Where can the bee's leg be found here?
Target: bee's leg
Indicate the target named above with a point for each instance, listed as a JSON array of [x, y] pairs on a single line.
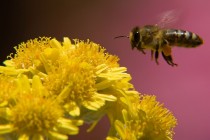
[[152, 53], [166, 53], [141, 50], [169, 59], [156, 54], [156, 57]]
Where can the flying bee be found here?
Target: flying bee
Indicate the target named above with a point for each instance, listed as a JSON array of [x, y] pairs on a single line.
[[161, 40]]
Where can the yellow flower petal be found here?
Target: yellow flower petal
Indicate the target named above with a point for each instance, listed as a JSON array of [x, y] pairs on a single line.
[[38, 137], [72, 108], [120, 129], [9, 63], [12, 71], [6, 129], [112, 138], [66, 43], [107, 97], [104, 84], [57, 136], [24, 137], [68, 129], [94, 104]]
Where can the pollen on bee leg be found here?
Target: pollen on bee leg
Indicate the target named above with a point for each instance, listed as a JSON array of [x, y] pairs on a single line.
[[167, 50], [169, 59]]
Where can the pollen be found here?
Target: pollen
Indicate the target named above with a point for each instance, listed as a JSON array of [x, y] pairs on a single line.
[[7, 86], [147, 119], [34, 115], [28, 54], [159, 120], [78, 77], [93, 54]]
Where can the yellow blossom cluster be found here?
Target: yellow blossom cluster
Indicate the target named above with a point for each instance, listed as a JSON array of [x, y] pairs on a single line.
[[50, 88]]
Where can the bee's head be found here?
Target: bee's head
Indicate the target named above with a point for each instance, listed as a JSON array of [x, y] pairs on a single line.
[[135, 38]]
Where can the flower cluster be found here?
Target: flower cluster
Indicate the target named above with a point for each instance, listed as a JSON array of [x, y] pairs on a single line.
[[50, 88]]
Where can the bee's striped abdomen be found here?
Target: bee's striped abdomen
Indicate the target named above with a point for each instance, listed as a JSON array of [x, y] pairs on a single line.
[[182, 38]]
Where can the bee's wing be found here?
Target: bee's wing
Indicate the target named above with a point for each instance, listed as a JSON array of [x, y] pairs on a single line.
[[168, 18]]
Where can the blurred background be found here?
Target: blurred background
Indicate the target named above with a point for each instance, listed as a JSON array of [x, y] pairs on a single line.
[[185, 89]]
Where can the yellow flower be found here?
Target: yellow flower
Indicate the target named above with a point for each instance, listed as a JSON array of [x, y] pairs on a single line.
[[80, 75], [49, 88], [159, 120], [151, 122], [34, 115]]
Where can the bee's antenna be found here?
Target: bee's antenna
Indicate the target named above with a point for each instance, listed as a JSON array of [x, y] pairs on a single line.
[[121, 36]]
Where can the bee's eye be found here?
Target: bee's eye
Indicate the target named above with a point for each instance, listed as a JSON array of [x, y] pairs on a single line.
[[136, 36]]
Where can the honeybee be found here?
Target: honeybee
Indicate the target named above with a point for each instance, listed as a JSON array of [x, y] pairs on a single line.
[[161, 40]]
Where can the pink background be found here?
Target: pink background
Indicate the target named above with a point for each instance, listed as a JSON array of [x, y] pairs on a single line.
[[185, 89]]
